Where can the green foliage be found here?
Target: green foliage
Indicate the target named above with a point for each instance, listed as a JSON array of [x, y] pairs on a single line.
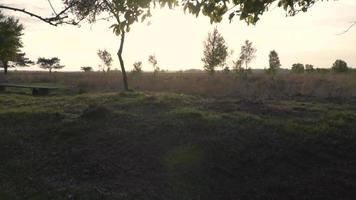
[[297, 68], [247, 54], [340, 66], [49, 63], [125, 12], [106, 58], [10, 40], [128, 12], [274, 63], [87, 69], [249, 11], [173, 146], [215, 51]]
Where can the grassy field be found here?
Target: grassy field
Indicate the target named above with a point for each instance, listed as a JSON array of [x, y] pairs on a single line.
[[257, 85], [156, 145]]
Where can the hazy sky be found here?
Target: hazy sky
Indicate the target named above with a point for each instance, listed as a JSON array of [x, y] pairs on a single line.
[[177, 39]]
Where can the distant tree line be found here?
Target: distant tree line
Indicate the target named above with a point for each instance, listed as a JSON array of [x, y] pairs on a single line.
[[216, 52]]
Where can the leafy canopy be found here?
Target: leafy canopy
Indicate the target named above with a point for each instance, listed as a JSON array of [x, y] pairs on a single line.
[[126, 12], [340, 66], [106, 58], [247, 54], [297, 68], [247, 10], [215, 51], [10, 38], [274, 62], [49, 63], [86, 69]]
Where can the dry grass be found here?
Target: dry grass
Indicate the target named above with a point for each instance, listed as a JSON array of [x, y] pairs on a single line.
[[258, 85]]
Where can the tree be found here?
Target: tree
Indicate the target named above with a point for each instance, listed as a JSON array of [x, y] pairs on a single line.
[[153, 60], [298, 68], [126, 12], [215, 51], [247, 10], [247, 54], [274, 62], [137, 67], [340, 66], [250, 11], [309, 68], [106, 58], [10, 41], [86, 69], [50, 63], [238, 66]]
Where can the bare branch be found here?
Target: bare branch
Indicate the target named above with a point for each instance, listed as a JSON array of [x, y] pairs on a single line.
[[347, 30], [54, 21], [50, 4]]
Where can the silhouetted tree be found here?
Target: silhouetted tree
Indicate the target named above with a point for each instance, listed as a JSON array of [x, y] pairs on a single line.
[[298, 68], [10, 41], [137, 67], [215, 51], [238, 66], [106, 58], [250, 11], [247, 54], [340, 66], [153, 60], [50, 63], [309, 68], [126, 12], [86, 69], [274, 63]]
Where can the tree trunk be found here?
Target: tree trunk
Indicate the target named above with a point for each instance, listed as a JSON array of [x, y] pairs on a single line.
[[50, 70], [5, 67], [119, 54]]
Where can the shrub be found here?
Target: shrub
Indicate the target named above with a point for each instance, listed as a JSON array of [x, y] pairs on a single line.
[[309, 68], [298, 68], [87, 69], [340, 66]]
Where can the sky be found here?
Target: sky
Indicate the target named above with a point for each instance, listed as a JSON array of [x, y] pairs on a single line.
[[176, 39]]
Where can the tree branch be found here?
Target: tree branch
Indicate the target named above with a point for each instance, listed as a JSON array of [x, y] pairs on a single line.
[[50, 4], [54, 21], [347, 30]]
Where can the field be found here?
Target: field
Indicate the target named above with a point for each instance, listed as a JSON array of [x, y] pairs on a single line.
[[179, 136]]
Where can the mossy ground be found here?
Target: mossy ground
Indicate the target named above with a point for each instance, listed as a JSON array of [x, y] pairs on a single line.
[[172, 146]]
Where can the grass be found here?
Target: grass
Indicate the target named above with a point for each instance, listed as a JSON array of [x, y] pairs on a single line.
[[154, 145], [258, 85]]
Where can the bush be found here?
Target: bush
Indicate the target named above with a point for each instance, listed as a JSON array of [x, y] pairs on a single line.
[[309, 68], [87, 69], [340, 66], [298, 68]]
